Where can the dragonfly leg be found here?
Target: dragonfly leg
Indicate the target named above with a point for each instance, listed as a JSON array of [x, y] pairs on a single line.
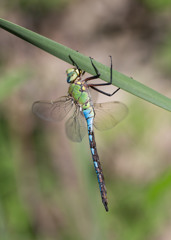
[[73, 62], [93, 86], [96, 70], [76, 65], [105, 93]]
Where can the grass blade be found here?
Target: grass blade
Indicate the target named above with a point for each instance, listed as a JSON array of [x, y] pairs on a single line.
[[120, 80]]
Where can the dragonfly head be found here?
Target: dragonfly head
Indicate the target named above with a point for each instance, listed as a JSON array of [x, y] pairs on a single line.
[[73, 74]]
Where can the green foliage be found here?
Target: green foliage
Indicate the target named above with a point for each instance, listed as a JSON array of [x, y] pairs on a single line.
[[14, 215], [9, 81], [38, 6], [163, 55], [62, 52], [158, 5]]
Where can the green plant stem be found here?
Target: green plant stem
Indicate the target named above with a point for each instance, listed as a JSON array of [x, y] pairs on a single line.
[[120, 80]]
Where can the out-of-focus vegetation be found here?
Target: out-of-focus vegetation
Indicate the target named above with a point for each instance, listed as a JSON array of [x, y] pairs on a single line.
[[11, 80], [158, 5], [36, 6], [163, 55], [48, 187]]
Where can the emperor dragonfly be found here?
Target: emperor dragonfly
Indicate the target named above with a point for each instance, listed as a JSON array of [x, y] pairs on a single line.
[[101, 115]]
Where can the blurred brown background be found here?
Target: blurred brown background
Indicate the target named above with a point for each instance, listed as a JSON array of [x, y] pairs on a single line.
[[48, 186]]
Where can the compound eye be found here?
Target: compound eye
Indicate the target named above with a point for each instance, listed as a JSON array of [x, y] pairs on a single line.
[[73, 76]]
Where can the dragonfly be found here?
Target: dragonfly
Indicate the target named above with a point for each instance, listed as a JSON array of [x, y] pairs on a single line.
[[85, 115]]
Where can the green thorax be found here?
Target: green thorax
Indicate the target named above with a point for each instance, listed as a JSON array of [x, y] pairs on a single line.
[[80, 92]]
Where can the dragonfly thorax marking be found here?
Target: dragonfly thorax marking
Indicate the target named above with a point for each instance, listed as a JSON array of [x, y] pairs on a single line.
[[79, 91]]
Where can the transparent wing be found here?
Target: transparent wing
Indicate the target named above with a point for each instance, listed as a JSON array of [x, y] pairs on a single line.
[[76, 126], [53, 111], [94, 95], [108, 114]]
